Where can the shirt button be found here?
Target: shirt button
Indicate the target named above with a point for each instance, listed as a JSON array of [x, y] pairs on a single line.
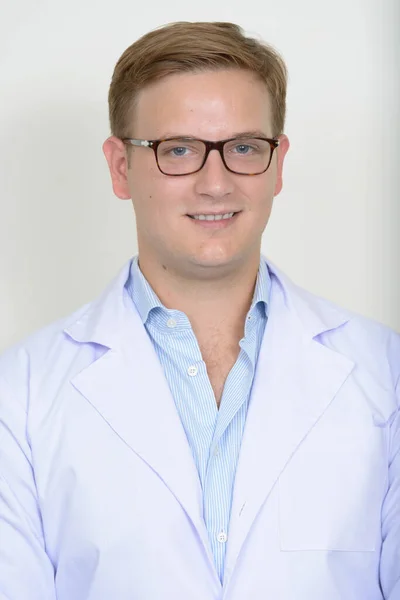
[[216, 451], [222, 537], [171, 323], [192, 371]]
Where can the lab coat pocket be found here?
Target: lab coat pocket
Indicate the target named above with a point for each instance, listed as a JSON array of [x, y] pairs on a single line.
[[330, 495]]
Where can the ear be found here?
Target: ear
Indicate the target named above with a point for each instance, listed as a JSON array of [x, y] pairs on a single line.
[[281, 150], [115, 152]]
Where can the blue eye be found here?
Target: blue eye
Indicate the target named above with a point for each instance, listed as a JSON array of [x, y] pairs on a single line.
[[243, 146], [178, 151]]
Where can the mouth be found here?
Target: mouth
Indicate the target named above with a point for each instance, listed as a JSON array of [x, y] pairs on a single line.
[[214, 217], [214, 221]]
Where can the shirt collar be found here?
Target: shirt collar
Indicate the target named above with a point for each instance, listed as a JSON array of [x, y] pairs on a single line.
[[141, 292], [262, 289], [145, 299]]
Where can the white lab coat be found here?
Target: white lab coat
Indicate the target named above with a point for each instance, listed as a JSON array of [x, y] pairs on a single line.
[[99, 494]]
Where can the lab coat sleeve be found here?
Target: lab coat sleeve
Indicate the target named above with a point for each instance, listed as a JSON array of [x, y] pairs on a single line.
[[26, 571], [390, 555]]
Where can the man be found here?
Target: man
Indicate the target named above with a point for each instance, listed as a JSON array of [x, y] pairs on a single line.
[[205, 429]]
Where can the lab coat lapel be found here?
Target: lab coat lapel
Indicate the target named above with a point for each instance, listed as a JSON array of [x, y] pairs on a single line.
[[128, 388], [295, 381]]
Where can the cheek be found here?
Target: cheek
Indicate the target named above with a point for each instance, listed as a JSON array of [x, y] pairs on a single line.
[[173, 197], [157, 207], [145, 189], [259, 195]]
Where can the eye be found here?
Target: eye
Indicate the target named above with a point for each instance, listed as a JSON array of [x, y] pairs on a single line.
[[243, 148], [178, 151]]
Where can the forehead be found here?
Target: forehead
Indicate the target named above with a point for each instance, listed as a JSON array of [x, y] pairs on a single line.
[[211, 104]]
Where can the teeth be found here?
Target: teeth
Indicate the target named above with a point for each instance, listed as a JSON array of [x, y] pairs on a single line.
[[213, 217]]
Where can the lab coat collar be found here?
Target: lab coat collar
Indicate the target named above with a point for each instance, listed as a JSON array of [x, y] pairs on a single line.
[[105, 316]]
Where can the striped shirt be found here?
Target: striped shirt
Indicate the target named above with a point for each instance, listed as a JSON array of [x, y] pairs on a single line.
[[214, 435]]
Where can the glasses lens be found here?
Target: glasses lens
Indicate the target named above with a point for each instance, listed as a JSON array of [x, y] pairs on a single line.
[[180, 156], [248, 155]]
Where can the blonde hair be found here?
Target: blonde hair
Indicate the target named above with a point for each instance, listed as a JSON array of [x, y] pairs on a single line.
[[186, 47]]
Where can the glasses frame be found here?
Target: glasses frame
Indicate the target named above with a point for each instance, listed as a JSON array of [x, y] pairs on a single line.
[[154, 144]]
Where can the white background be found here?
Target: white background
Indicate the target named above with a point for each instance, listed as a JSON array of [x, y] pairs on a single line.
[[334, 227]]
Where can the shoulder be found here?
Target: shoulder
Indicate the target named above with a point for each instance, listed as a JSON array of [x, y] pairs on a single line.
[[51, 350], [373, 346], [36, 352]]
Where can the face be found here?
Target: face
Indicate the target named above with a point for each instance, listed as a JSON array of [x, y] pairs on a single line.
[[209, 106]]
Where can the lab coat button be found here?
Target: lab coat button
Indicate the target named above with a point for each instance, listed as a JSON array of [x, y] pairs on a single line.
[[192, 371], [222, 537]]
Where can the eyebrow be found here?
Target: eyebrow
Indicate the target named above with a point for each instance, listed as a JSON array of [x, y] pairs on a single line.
[[239, 134]]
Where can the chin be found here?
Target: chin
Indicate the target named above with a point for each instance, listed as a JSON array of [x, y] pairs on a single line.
[[214, 259]]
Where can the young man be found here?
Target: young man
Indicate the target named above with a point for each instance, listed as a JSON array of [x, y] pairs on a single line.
[[205, 429]]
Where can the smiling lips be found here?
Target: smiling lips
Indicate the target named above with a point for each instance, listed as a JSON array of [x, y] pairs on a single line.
[[214, 221], [215, 217]]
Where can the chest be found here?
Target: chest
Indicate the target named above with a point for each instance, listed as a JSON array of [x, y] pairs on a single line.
[[219, 358]]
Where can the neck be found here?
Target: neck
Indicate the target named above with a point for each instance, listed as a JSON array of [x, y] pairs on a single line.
[[213, 299]]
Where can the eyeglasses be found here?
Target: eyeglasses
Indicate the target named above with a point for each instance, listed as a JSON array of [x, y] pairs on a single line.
[[185, 155]]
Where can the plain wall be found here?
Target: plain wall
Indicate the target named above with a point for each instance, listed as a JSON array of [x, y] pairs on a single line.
[[335, 226]]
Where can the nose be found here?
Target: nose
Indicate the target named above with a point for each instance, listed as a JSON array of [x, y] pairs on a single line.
[[214, 179]]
